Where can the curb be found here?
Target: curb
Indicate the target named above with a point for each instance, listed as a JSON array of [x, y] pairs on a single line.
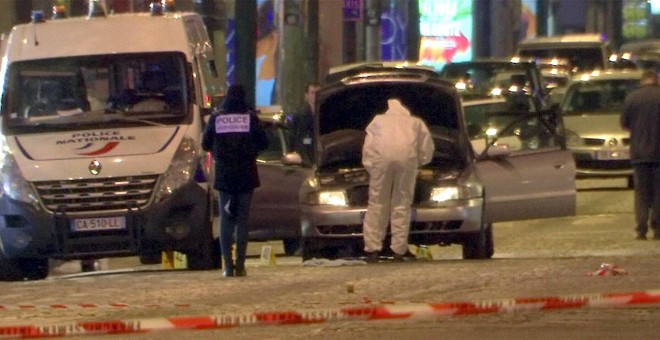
[[366, 312]]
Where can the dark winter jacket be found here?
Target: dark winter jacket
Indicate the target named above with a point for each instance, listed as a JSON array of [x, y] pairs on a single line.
[[641, 115], [235, 137]]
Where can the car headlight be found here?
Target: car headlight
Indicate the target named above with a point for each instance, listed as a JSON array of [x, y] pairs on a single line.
[[330, 197], [573, 139], [446, 193], [181, 170], [13, 183], [442, 194]]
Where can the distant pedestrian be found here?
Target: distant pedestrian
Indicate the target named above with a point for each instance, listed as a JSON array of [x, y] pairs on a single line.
[[641, 116], [302, 129], [234, 136], [396, 145]]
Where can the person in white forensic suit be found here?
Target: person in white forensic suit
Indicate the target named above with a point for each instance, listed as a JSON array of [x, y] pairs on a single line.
[[396, 145]]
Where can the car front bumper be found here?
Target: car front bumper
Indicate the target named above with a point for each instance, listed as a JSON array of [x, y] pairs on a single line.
[[445, 223], [602, 162]]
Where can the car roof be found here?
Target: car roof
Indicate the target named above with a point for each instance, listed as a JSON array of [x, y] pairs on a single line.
[[567, 39], [650, 46], [337, 73], [482, 101], [611, 74]]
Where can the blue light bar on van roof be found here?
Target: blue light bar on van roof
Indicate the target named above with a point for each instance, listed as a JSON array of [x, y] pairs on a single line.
[[38, 17], [156, 8]]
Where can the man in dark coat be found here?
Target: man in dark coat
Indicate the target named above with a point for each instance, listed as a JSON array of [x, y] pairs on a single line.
[[234, 136], [641, 116], [302, 128]]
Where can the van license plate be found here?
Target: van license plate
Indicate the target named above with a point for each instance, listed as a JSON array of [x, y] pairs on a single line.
[[99, 223]]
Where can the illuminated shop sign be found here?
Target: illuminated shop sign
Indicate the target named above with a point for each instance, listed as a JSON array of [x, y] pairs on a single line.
[[446, 30]]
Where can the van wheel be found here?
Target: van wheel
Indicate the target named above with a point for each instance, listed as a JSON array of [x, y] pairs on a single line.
[[207, 254], [478, 246], [23, 269], [151, 258]]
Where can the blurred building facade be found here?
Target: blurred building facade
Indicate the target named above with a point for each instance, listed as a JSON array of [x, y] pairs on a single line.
[[293, 42]]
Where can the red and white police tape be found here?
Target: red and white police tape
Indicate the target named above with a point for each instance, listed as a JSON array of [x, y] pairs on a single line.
[[114, 305], [365, 312]]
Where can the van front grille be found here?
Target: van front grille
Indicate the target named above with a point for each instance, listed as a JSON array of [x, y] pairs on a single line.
[[89, 195]]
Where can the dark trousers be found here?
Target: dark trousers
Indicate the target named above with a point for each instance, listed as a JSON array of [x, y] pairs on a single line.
[[234, 229], [647, 196]]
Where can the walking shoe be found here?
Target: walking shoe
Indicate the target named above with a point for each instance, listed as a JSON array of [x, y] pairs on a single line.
[[228, 273], [240, 271], [641, 236], [372, 257], [407, 257]]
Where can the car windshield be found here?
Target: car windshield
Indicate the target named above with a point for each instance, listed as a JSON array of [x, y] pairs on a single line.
[[101, 90], [598, 96]]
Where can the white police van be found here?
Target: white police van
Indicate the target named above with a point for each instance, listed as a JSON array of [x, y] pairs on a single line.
[[102, 118]]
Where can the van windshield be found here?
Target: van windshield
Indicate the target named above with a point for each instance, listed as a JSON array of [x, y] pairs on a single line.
[[90, 91]]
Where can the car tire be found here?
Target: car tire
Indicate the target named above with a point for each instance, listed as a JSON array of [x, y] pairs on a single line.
[[312, 248], [23, 269], [479, 246], [291, 246]]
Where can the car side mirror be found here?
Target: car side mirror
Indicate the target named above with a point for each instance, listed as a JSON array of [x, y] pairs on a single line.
[[291, 158], [498, 151]]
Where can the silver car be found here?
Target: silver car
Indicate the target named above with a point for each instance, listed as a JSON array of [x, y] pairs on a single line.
[[458, 196], [591, 110]]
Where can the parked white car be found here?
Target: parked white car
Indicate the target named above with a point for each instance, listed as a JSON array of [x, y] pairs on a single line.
[[591, 110]]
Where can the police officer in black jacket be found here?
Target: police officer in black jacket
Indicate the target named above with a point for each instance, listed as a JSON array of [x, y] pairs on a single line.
[[234, 136]]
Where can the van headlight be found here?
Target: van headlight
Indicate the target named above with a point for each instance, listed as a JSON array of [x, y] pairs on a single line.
[[13, 183], [181, 170], [328, 197]]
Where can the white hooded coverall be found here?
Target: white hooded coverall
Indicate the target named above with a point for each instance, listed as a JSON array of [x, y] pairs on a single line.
[[395, 146]]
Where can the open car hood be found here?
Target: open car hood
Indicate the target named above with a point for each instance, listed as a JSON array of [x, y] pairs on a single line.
[[347, 107]]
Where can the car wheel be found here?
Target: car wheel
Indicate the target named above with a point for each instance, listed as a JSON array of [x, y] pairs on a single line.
[[23, 269], [315, 249], [479, 245], [291, 246]]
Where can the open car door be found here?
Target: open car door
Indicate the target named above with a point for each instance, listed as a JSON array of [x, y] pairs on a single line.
[[526, 170]]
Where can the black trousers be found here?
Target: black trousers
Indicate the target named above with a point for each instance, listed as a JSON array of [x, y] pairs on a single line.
[[647, 196]]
